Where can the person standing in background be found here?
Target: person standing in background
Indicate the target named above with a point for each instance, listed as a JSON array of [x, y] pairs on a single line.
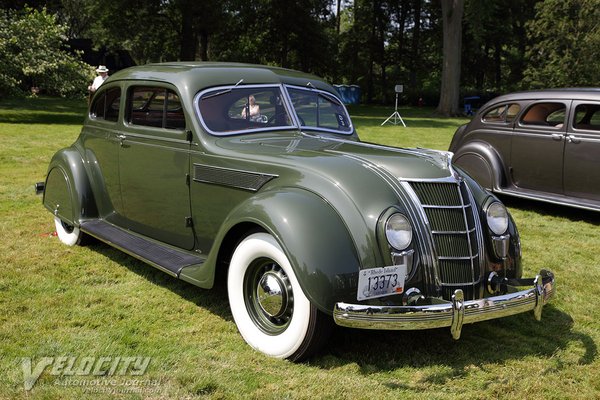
[[99, 80]]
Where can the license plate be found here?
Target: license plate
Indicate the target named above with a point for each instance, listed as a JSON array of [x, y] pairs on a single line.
[[379, 282]]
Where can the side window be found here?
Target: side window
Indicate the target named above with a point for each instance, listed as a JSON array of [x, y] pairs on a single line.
[[106, 105], [320, 110], [156, 107], [545, 114], [587, 116], [512, 111], [505, 113]]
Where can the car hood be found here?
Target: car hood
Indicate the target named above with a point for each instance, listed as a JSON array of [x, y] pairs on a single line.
[[333, 156]]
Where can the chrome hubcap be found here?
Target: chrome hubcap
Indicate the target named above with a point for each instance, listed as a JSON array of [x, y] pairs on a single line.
[[271, 294]]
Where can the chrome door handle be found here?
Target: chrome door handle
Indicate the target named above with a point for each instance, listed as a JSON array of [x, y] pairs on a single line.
[[121, 137], [557, 136], [573, 139]]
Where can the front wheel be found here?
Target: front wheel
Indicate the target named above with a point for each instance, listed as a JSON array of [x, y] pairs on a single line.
[[270, 309], [68, 234]]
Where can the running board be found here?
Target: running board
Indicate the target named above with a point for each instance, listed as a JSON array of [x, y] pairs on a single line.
[[562, 200], [163, 257]]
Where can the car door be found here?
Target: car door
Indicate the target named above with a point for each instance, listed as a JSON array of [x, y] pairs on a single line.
[[154, 164], [537, 147], [102, 150], [582, 151]]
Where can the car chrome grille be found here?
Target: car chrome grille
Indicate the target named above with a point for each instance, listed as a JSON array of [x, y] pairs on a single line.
[[454, 232]]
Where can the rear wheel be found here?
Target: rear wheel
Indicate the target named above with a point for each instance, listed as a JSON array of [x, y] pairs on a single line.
[[67, 233], [268, 305]]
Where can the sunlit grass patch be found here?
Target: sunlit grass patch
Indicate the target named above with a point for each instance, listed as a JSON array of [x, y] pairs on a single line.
[[95, 301]]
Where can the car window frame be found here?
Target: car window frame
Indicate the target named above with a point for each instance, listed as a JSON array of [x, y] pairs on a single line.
[[498, 105], [572, 115], [326, 94], [554, 128], [287, 103], [294, 122], [102, 92], [164, 132]]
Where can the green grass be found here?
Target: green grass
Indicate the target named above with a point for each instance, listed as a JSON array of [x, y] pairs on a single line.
[[96, 301]]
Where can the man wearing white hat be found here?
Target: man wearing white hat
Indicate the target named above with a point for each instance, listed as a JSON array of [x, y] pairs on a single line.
[[99, 80]]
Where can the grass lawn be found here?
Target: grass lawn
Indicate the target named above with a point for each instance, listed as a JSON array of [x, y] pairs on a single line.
[[96, 302]]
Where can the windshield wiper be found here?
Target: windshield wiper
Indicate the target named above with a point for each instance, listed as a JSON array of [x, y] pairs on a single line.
[[223, 91]]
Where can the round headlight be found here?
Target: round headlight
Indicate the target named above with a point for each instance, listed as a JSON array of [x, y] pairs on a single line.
[[398, 231], [497, 218]]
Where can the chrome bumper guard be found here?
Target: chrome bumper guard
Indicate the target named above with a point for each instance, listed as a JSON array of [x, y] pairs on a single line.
[[452, 314]]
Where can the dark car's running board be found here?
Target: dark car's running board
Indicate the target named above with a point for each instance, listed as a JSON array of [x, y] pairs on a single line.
[[163, 257]]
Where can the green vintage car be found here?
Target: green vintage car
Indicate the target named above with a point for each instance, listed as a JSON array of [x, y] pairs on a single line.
[[257, 175]]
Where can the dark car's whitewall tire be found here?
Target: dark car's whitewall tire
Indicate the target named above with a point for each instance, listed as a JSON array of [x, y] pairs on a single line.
[[271, 311], [68, 234]]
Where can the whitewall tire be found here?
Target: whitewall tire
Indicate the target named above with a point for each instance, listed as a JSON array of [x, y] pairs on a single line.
[[270, 309], [68, 234]]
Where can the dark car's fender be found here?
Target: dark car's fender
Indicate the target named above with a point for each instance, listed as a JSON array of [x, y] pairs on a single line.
[[312, 235], [67, 192], [482, 162]]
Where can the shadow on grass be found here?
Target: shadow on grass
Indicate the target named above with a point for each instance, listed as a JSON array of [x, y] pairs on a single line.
[[214, 300], [496, 341], [548, 209], [42, 110], [43, 118]]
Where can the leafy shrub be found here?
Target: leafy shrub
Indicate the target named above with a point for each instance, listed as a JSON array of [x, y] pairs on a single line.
[[33, 54]]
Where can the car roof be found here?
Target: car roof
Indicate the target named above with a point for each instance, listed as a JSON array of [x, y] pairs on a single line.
[[199, 75], [562, 93]]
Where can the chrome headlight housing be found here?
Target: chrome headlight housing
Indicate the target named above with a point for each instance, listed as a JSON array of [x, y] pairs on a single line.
[[398, 231], [497, 218]]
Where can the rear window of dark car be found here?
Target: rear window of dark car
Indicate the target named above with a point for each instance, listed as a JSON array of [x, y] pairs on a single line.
[[505, 113], [545, 114], [587, 116]]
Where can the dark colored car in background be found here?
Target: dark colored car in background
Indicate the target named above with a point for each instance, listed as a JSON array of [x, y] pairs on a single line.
[[257, 175], [541, 145]]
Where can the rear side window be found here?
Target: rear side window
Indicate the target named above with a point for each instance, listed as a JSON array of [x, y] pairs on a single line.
[[106, 105], [587, 116], [505, 113], [545, 114], [156, 107]]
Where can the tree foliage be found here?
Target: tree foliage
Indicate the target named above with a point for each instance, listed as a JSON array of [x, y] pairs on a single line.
[[32, 54], [566, 44], [377, 44]]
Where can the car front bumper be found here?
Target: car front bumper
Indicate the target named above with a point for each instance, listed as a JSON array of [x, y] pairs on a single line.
[[453, 314]]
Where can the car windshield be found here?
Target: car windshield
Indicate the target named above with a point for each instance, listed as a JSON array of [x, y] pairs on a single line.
[[244, 109]]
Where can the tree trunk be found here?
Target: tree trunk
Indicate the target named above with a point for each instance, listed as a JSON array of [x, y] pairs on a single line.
[[452, 12], [189, 38], [416, 43]]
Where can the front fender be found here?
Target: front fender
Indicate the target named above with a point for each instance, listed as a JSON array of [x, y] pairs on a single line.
[[67, 192], [314, 238]]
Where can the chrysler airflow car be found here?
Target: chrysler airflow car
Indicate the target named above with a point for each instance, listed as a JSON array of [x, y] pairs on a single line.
[[257, 175]]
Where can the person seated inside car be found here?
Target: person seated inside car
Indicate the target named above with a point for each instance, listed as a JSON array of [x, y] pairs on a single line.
[[251, 110]]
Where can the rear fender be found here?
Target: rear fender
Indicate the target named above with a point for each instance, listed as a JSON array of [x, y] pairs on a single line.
[[67, 192]]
